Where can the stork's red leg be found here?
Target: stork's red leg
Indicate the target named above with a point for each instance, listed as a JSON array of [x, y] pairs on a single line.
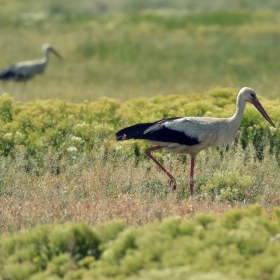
[[173, 181], [191, 175]]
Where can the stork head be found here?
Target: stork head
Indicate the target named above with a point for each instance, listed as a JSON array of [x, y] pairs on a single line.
[[249, 95], [48, 48]]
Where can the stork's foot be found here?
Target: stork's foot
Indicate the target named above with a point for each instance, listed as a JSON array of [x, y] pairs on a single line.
[[173, 184]]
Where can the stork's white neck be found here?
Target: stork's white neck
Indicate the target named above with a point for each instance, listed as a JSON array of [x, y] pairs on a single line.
[[240, 107], [46, 55]]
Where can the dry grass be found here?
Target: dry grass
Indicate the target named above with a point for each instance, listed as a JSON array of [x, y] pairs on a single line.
[[21, 214], [107, 185]]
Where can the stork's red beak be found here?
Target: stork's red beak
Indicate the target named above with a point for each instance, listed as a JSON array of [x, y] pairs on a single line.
[[260, 108], [57, 54]]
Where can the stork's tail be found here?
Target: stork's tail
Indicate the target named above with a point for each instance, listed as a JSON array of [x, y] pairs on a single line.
[[6, 74], [9, 74], [133, 132]]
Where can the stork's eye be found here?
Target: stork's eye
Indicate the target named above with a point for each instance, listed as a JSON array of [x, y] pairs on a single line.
[[253, 95]]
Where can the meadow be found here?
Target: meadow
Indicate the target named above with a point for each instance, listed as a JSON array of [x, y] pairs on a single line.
[[126, 53], [76, 204]]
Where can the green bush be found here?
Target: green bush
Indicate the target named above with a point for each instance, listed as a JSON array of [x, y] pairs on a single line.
[[244, 244], [74, 128], [229, 187], [52, 249], [78, 240]]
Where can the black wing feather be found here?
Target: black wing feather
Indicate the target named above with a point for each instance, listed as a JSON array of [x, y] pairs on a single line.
[[6, 74], [9, 74], [156, 132]]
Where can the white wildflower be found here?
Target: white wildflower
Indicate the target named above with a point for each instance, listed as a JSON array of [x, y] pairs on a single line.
[[76, 139], [8, 136], [119, 147], [19, 135], [72, 149], [83, 124]]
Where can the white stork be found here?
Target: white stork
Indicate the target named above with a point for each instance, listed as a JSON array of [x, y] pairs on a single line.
[[25, 70], [190, 135]]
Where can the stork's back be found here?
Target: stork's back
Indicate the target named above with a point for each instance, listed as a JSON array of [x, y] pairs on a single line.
[[30, 68]]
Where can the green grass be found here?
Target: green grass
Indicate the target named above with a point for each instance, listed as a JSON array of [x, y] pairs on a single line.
[[142, 53]]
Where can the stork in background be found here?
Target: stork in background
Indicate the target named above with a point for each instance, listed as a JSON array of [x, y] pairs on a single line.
[[25, 70], [190, 135]]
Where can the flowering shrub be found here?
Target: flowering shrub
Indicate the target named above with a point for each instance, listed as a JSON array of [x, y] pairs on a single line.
[[74, 127]]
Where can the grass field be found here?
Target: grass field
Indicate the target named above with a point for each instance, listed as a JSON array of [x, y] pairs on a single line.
[[76, 204], [143, 52]]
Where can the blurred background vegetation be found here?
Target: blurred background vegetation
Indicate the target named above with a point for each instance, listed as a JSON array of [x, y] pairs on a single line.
[[124, 49]]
